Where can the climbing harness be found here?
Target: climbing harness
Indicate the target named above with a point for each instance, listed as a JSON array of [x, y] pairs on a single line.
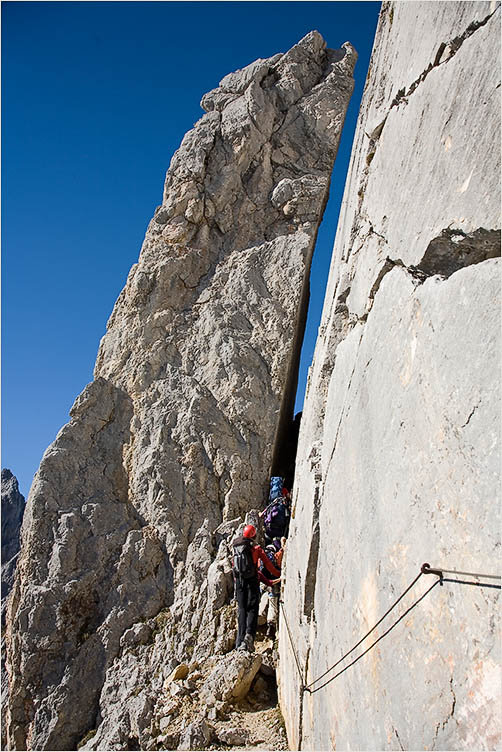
[[425, 569]]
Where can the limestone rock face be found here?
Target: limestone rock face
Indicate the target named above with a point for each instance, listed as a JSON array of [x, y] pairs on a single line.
[[399, 454], [12, 517], [194, 383]]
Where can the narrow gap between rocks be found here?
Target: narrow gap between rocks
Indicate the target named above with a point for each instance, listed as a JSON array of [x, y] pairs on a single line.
[[310, 309], [286, 439], [309, 315]]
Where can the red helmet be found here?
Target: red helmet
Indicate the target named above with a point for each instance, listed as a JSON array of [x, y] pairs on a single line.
[[249, 531]]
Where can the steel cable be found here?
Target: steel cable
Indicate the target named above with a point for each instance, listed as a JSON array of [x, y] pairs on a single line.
[[292, 646], [312, 691], [425, 569], [367, 633]]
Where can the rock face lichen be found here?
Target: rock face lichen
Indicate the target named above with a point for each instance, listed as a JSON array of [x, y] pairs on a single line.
[[175, 435], [398, 458]]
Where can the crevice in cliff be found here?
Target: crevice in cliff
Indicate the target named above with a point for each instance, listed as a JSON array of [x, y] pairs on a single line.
[[286, 425], [441, 725], [285, 457], [398, 739], [286, 438], [342, 414], [446, 254], [445, 52], [470, 416], [311, 571], [455, 249]]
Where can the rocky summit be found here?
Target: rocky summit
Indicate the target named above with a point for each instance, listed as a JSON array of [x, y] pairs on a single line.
[[122, 576]]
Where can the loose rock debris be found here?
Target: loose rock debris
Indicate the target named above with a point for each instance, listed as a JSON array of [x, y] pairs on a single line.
[[228, 703]]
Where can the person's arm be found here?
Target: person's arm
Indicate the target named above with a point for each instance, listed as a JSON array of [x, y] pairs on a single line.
[[267, 563], [264, 511], [266, 581]]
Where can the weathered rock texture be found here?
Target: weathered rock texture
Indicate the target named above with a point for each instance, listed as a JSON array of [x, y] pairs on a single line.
[[194, 384], [12, 517], [399, 446]]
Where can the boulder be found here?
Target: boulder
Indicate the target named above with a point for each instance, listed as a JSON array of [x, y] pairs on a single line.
[[226, 530], [165, 722], [232, 677], [179, 673], [176, 689], [167, 741], [196, 735], [233, 736], [139, 634]]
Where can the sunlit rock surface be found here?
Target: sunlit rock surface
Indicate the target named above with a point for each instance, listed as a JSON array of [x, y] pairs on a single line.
[[399, 459], [194, 382]]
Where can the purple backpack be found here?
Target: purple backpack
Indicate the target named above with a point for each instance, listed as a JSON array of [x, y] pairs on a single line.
[[274, 518]]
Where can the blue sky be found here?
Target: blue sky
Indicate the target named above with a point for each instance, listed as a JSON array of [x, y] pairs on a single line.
[[96, 97]]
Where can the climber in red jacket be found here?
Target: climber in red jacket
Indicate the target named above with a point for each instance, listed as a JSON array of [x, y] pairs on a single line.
[[247, 556]]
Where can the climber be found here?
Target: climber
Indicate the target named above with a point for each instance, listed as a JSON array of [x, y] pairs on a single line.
[[247, 556], [276, 517], [276, 487], [269, 603]]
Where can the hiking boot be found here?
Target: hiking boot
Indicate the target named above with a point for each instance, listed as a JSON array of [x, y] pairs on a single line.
[[248, 643]]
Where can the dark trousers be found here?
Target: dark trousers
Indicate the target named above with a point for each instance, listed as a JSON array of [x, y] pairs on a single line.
[[247, 594]]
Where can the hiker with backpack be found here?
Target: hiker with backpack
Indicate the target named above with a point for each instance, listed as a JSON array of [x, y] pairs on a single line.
[[247, 557], [276, 516], [269, 604]]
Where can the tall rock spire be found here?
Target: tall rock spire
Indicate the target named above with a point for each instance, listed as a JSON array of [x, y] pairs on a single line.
[[193, 385]]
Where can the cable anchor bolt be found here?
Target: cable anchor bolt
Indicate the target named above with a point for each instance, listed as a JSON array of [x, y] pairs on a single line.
[[426, 569]]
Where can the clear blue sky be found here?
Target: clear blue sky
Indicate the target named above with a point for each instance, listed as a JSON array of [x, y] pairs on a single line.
[[96, 97]]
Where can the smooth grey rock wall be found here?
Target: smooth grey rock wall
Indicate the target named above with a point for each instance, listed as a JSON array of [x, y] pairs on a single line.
[[194, 382], [399, 453]]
